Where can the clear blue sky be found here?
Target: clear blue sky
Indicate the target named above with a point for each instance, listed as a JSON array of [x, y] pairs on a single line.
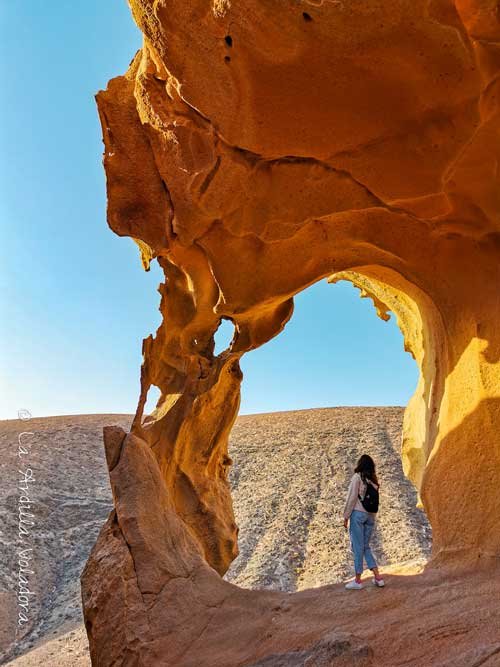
[[75, 301]]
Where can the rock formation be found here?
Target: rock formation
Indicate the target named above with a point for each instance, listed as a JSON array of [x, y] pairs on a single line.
[[256, 147]]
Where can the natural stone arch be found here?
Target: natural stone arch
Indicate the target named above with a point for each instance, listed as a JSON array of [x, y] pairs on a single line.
[[382, 170]]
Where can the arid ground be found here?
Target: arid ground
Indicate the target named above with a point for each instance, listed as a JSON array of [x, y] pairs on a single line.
[[289, 477]]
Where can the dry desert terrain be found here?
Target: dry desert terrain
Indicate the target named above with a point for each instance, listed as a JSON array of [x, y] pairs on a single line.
[[289, 478]]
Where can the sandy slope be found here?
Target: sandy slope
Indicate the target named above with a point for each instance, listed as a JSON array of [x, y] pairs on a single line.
[[289, 478]]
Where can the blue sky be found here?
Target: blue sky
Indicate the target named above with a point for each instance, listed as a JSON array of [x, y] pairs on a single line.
[[75, 301]]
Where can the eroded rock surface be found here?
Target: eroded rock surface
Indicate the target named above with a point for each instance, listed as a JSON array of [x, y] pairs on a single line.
[[254, 148]]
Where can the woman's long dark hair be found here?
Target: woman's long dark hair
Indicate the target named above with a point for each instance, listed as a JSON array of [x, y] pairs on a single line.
[[366, 468]]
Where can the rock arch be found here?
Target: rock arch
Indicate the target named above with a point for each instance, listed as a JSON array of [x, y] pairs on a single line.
[[359, 143]]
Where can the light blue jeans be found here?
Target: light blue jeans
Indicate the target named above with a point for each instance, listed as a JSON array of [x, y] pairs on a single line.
[[360, 530]]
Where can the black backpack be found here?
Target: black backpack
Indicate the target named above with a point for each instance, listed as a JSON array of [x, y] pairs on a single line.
[[371, 499]]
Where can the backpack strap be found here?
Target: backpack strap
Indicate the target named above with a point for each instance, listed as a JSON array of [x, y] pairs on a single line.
[[366, 484]]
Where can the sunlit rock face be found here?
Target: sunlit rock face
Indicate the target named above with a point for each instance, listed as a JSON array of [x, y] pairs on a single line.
[[256, 147]]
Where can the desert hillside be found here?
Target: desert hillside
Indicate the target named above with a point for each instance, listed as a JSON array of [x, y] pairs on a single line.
[[289, 478]]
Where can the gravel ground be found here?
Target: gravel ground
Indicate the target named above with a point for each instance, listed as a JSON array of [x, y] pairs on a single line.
[[290, 476]]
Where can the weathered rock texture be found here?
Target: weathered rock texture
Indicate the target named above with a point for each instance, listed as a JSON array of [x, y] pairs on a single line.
[[256, 147]]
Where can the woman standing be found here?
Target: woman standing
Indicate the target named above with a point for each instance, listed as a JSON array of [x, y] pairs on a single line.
[[359, 512]]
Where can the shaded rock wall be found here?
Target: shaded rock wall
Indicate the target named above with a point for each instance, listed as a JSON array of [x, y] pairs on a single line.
[[255, 148]]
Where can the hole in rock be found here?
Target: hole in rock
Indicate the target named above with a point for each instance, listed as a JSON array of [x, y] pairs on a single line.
[[229, 40], [307, 17], [329, 388], [227, 59], [152, 399], [223, 336]]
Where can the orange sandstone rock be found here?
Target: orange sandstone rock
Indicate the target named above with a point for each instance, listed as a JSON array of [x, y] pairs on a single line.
[[256, 147]]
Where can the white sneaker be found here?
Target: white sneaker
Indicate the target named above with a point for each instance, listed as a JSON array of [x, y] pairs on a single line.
[[378, 582], [353, 586]]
